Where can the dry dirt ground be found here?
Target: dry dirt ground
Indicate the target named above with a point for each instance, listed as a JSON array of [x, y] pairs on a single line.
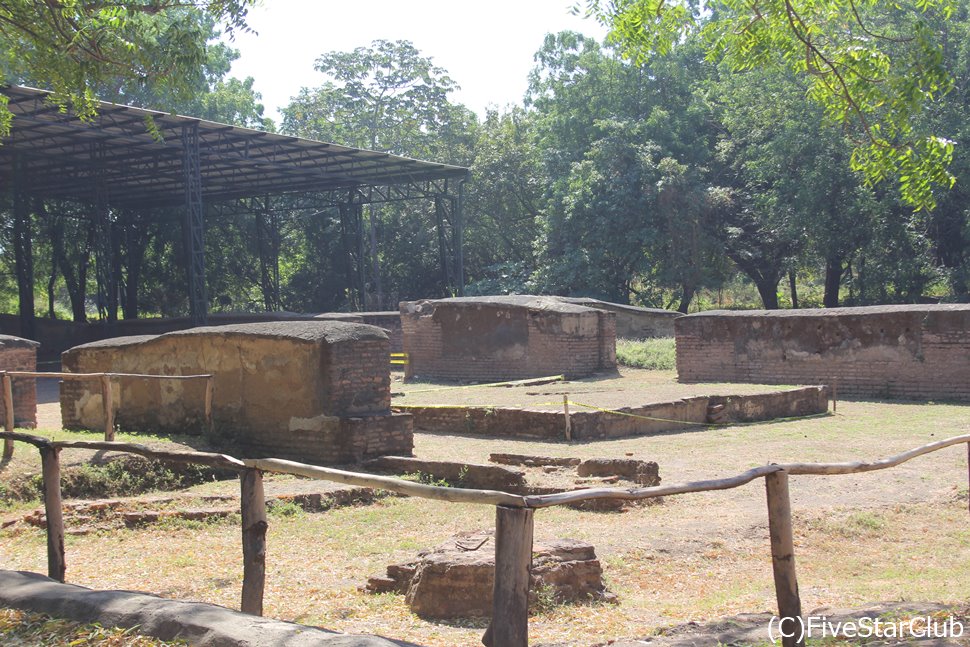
[[628, 387], [902, 534]]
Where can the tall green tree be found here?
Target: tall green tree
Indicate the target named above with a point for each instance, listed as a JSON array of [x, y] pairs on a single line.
[[875, 66]]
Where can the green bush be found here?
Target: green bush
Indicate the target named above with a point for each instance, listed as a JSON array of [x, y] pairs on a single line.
[[657, 354]]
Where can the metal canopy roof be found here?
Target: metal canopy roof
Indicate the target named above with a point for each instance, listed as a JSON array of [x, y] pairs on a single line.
[[64, 157]]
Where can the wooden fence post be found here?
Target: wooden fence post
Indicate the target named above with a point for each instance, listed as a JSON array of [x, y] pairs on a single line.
[[209, 386], [513, 564], [569, 426], [107, 402], [783, 559], [253, 504], [51, 469], [8, 421]]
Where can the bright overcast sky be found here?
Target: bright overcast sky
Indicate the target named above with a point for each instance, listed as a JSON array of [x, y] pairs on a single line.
[[486, 47]]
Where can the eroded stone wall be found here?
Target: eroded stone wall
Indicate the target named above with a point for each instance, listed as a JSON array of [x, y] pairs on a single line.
[[505, 338], [316, 391], [910, 352], [18, 354]]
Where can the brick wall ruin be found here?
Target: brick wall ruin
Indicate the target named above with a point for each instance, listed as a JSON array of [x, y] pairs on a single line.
[[18, 354], [633, 322], [910, 352], [506, 338], [315, 391]]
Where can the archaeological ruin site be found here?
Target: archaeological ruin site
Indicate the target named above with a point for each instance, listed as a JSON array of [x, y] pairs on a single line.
[[451, 470]]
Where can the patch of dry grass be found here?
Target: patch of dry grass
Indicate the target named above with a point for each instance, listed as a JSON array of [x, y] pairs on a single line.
[[38, 630], [898, 534]]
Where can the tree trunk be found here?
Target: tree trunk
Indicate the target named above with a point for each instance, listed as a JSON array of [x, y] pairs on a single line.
[[24, 261], [793, 288], [687, 295], [76, 282], [833, 280], [768, 289]]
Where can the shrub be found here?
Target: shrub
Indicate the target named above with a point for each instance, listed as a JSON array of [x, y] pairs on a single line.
[[657, 354]]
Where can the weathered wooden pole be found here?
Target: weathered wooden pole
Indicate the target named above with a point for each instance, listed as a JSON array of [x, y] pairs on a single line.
[[835, 394], [253, 504], [569, 426], [783, 560], [51, 469], [209, 386], [107, 402], [8, 421], [513, 563]]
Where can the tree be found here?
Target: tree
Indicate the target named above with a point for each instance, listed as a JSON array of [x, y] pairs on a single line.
[[870, 65], [502, 204], [596, 246], [76, 47], [390, 98]]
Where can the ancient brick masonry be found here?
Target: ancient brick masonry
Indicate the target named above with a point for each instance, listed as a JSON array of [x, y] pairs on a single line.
[[505, 338], [910, 352], [18, 354], [313, 391]]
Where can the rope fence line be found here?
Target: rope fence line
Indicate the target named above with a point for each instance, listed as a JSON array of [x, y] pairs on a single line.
[[514, 517]]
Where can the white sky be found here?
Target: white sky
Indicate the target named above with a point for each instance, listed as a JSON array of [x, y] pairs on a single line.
[[486, 47]]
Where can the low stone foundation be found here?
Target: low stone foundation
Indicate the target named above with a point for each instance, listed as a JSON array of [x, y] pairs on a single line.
[[313, 391], [455, 579], [596, 425], [17, 354]]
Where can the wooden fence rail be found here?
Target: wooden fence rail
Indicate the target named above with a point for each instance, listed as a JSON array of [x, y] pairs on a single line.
[[514, 520], [107, 396]]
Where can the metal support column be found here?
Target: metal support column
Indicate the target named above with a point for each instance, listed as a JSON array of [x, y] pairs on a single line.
[[105, 279], [459, 225], [444, 253], [352, 241], [268, 244], [194, 224]]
